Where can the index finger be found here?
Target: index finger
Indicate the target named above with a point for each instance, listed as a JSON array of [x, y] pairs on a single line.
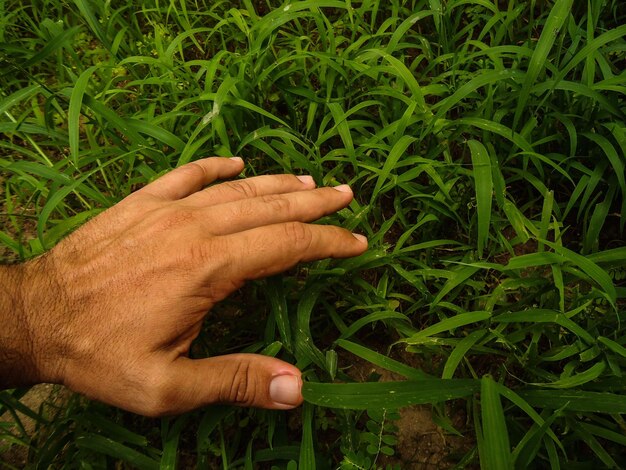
[[192, 177]]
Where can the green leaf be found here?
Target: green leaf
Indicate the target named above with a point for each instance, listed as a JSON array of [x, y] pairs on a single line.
[[448, 324], [391, 161], [537, 315], [483, 186], [495, 453], [458, 278], [51, 46], [387, 395], [17, 97], [382, 361], [563, 255], [371, 318], [459, 351], [483, 79], [305, 350], [307, 452], [577, 380], [613, 346], [279, 309], [595, 272], [86, 9], [76, 103], [106, 446], [170, 443], [551, 28]]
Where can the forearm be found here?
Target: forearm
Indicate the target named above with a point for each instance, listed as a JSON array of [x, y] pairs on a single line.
[[17, 364]]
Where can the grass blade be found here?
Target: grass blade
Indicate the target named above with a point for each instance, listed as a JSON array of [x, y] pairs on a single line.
[[448, 324], [110, 447], [17, 97], [576, 400], [383, 361], [307, 452], [370, 318], [577, 380], [73, 117], [458, 278], [496, 450], [553, 25], [458, 353], [483, 185], [387, 395], [390, 163], [53, 45]]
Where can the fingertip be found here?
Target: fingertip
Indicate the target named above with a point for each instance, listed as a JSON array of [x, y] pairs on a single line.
[[286, 391], [345, 193], [229, 161], [343, 188], [361, 238], [307, 180]]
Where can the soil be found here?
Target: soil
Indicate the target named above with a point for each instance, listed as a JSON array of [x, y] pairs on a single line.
[[422, 444], [44, 398]]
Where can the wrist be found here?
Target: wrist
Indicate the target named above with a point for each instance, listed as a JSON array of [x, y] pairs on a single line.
[[17, 362], [45, 310], [29, 352]]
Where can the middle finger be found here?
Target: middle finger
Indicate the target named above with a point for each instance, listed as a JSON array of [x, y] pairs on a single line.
[[247, 188]]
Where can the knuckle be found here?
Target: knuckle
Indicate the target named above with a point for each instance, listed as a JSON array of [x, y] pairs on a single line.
[[199, 253], [300, 234], [240, 389], [211, 255], [277, 203], [242, 187], [193, 170], [240, 211], [174, 218]]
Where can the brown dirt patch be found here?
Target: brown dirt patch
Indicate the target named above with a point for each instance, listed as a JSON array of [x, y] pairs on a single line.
[[422, 444], [44, 399]]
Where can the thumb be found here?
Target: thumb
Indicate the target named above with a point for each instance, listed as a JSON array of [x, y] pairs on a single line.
[[236, 379]]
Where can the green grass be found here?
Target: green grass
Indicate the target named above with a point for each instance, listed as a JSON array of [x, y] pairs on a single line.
[[486, 144]]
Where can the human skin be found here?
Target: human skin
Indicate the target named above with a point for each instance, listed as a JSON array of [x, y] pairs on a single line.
[[112, 310]]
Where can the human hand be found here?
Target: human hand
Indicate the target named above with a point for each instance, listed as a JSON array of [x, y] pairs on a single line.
[[112, 310]]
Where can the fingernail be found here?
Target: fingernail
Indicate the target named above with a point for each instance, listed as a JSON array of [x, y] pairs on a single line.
[[237, 159], [344, 188], [360, 237], [306, 179], [285, 390]]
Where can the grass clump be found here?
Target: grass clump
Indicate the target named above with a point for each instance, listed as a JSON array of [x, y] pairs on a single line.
[[485, 143]]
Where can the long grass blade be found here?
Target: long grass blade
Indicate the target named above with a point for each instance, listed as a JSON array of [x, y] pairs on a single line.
[[483, 185], [496, 450], [556, 20], [387, 395]]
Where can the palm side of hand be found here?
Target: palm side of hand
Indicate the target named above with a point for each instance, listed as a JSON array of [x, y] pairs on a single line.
[[121, 299]]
